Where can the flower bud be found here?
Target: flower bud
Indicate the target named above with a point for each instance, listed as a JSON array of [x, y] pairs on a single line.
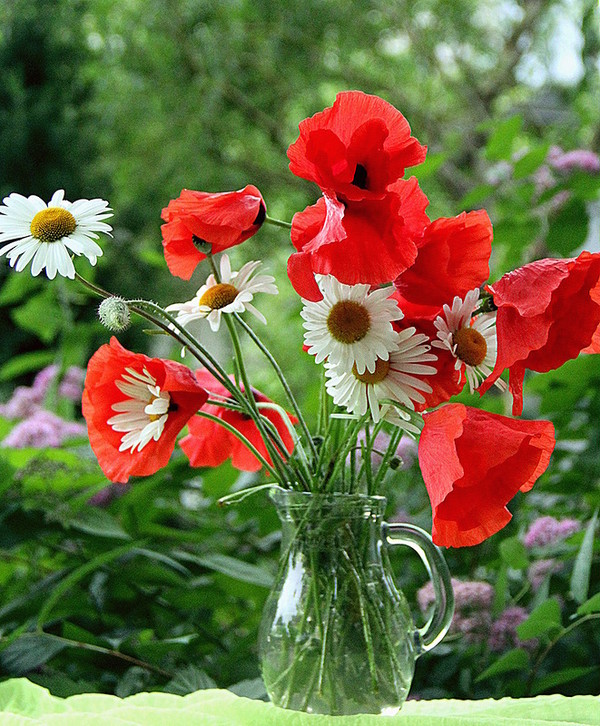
[[114, 314]]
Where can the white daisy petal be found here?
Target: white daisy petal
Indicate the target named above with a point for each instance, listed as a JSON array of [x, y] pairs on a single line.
[[232, 295], [46, 234]]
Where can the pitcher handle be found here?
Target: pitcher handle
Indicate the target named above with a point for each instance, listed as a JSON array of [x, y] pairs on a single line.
[[437, 626]]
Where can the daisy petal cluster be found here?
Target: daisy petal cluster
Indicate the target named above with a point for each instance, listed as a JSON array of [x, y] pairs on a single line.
[[46, 235], [232, 293]]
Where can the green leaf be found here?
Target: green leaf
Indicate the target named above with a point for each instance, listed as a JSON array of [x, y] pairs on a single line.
[[590, 606], [569, 228], [513, 552], [41, 315], [580, 579], [25, 363], [30, 651], [17, 287], [557, 678], [531, 161], [98, 522], [477, 195], [543, 620], [188, 680], [514, 660], [231, 567], [500, 144], [254, 688]]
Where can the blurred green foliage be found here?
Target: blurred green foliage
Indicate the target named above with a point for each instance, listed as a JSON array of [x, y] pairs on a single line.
[[156, 587]]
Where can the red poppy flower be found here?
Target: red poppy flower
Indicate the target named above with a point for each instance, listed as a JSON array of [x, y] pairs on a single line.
[[548, 312], [356, 148], [134, 407], [223, 220], [209, 444], [371, 241], [473, 463], [447, 381], [453, 258]]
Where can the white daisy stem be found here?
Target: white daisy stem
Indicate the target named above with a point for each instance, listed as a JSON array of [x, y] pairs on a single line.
[[179, 334], [284, 470], [292, 431], [344, 450], [249, 445], [285, 385], [278, 222], [390, 451]]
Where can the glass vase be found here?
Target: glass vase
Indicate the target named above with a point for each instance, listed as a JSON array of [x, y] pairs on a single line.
[[337, 636]]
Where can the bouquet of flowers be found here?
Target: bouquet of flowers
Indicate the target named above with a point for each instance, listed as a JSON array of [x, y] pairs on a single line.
[[398, 312]]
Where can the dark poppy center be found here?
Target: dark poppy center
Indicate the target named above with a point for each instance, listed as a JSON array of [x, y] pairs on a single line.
[[260, 217], [360, 177]]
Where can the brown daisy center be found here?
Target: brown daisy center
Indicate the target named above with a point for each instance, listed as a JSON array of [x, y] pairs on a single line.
[[470, 346], [348, 321], [52, 224], [219, 296], [382, 368]]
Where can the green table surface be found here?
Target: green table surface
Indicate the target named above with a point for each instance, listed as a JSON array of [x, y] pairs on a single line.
[[23, 704]]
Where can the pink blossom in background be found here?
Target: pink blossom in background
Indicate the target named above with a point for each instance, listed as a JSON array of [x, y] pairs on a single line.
[[42, 429], [545, 531], [71, 386], [473, 600], [44, 379], [23, 403], [538, 571], [582, 159], [503, 635]]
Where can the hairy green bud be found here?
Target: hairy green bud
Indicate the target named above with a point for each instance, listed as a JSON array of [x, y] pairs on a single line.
[[114, 314]]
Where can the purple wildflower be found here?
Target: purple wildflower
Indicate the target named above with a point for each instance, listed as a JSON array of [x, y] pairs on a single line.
[[44, 379], [540, 570], [577, 159], [71, 386], [23, 403], [473, 600], [548, 530], [42, 429], [503, 634]]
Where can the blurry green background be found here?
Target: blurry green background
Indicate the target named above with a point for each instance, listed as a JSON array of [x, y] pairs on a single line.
[[133, 100]]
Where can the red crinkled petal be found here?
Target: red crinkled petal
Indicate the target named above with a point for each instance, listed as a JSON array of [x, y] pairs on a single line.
[[473, 463], [209, 444], [100, 392], [357, 129], [453, 258], [370, 241], [548, 312], [223, 219]]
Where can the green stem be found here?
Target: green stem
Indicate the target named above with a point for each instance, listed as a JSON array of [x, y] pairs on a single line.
[[267, 353], [278, 222], [241, 437]]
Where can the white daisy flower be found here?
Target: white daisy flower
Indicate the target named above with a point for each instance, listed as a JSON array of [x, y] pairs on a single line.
[[471, 340], [232, 295], [350, 326], [143, 414], [396, 378], [46, 235]]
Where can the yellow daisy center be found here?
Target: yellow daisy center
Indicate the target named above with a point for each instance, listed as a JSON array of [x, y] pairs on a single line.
[[348, 321], [52, 224], [382, 368], [470, 346], [219, 296]]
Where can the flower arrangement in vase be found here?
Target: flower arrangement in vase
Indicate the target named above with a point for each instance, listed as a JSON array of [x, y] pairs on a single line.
[[400, 316]]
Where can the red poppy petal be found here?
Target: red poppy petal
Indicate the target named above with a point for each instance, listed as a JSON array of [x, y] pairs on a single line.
[[453, 258], [473, 463], [105, 367], [181, 256]]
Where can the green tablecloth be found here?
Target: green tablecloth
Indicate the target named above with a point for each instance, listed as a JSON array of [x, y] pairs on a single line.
[[23, 704]]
